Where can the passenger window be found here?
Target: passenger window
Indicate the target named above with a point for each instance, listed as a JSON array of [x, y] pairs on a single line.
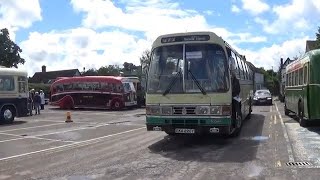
[[247, 72], [240, 68], [305, 72], [296, 78], [236, 65], [22, 84], [6, 83], [290, 79], [300, 76]]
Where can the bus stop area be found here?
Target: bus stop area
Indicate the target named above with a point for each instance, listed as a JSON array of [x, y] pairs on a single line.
[[102, 144]]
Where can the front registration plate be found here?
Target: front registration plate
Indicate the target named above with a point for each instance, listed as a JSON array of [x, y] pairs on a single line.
[[184, 131]]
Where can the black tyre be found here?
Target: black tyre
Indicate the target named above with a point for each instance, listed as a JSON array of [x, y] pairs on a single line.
[[7, 114], [238, 125], [170, 133], [286, 111], [116, 105], [302, 120]]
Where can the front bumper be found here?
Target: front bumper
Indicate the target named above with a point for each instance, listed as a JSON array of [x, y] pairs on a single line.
[[133, 103], [201, 125]]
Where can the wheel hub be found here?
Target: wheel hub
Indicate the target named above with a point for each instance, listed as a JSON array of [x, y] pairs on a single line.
[[7, 114]]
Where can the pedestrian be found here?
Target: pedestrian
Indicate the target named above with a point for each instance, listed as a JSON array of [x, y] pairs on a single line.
[[37, 102], [30, 102], [42, 99], [32, 97]]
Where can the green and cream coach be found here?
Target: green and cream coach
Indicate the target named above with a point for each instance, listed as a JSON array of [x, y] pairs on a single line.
[[189, 87]]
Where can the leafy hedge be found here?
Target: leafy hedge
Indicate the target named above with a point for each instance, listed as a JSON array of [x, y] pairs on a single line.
[[40, 86]]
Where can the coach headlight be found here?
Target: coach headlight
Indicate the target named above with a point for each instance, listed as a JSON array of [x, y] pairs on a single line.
[[215, 110], [203, 110], [166, 110], [255, 98], [153, 110]]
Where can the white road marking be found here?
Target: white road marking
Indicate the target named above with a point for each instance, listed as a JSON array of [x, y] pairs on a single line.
[[85, 122], [8, 140], [30, 127], [285, 134], [275, 119], [11, 134], [76, 144], [56, 140]]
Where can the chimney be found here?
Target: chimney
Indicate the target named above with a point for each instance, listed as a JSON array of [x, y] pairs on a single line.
[[44, 69], [281, 62]]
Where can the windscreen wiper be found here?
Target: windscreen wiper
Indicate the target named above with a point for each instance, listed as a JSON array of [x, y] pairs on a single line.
[[197, 83], [172, 82]]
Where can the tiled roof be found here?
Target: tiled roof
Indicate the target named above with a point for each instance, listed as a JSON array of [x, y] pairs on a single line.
[[45, 77]]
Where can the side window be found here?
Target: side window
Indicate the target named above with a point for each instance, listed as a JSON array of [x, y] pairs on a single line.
[[290, 79], [236, 65], [305, 75], [300, 76], [67, 86], [59, 88], [296, 78], [96, 86], [241, 68], [247, 71], [78, 86], [105, 86], [6, 83], [22, 82]]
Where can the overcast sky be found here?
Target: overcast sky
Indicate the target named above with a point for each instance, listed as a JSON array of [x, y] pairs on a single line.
[[64, 34]]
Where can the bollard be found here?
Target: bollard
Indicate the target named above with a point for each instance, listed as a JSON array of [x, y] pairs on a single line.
[[68, 119]]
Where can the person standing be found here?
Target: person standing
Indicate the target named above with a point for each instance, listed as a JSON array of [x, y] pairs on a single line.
[[37, 102], [32, 97], [42, 99], [30, 102]]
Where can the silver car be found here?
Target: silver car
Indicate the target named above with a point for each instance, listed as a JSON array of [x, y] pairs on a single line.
[[262, 97]]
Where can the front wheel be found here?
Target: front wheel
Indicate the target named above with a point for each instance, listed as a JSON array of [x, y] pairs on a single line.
[[238, 125], [170, 133], [7, 114], [116, 105]]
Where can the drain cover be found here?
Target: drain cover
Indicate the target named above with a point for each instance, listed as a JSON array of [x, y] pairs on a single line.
[[298, 164]]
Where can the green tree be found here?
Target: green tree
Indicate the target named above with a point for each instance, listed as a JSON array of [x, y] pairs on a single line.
[[90, 72], [145, 61], [9, 51], [318, 38], [111, 70]]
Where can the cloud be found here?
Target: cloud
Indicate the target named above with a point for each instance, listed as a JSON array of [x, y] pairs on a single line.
[[235, 9], [80, 47], [292, 17], [151, 17], [270, 56], [19, 14], [255, 7], [113, 35], [208, 12]]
